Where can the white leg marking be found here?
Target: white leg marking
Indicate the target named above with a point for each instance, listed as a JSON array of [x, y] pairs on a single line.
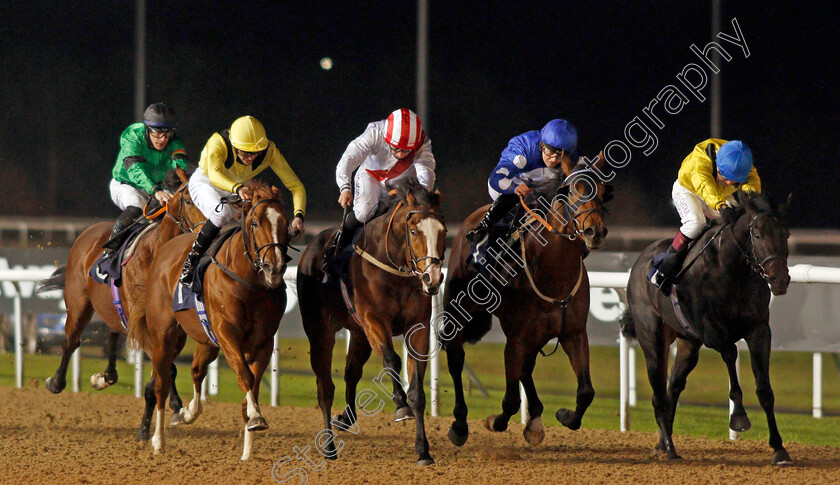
[[158, 439], [249, 442]]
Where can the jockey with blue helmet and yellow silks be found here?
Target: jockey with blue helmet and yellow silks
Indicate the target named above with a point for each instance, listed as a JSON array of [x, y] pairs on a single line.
[[531, 160], [392, 149], [229, 160], [148, 150], [708, 176]]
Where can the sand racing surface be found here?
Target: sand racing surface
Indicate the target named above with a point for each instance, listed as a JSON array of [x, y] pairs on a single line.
[[90, 438]]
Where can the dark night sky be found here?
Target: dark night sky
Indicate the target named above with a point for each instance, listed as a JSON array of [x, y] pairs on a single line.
[[495, 71]]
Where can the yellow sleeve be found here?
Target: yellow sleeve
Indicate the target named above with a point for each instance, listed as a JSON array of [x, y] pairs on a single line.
[[212, 164], [290, 180], [696, 174], [753, 183]]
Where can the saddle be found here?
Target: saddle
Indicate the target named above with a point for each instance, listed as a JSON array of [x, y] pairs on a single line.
[[209, 256], [110, 268]]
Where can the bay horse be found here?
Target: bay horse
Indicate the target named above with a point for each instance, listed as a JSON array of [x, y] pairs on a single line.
[[245, 298], [393, 273], [550, 300], [83, 295], [723, 297]]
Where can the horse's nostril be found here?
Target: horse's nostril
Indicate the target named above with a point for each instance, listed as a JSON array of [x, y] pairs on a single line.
[[589, 232], [427, 279], [604, 234]]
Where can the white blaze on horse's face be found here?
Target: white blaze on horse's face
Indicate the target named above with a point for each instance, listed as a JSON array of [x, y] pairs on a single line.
[[433, 231], [274, 273]]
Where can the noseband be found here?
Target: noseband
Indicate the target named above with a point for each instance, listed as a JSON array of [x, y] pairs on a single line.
[[752, 258], [255, 254], [411, 259]]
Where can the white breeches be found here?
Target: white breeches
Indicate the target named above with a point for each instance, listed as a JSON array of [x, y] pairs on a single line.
[[692, 209], [125, 195], [369, 191], [207, 198]]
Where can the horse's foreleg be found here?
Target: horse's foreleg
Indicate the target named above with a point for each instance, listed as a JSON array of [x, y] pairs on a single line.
[[534, 432], [688, 353], [510, 403], [459, 431], [77, 320], [739, 420], [357, 356], [759, 345], [391, 360], [576, 347], [256, 421], [161, 363], [203, 355], [419, 343], [108, 378]]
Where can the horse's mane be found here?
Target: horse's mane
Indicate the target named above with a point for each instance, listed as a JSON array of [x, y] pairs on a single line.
[[422, 196], [171, 182], [752, 202]]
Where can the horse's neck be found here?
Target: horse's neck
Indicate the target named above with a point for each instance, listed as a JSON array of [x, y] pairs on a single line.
[[559, 220], [729, 255], [377, 232]]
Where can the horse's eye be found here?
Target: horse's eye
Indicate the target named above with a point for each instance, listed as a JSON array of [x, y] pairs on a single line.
[[254, 224], [756, 235], [414, 232]]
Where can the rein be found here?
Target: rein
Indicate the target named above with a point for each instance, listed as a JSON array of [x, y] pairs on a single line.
[[405, 270]]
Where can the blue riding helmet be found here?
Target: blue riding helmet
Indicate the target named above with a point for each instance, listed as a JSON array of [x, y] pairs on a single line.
[[734, 161], [560, 134]]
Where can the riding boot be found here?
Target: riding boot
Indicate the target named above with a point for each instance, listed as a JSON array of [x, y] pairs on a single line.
[[666, 266], [128, 216], [208, 233], [501, 206], [344, 236]]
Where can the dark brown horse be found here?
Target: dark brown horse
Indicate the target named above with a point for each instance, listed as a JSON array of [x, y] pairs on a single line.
[[723, 297], [244, 297], [397, 266], [82, 295], [540, 292]]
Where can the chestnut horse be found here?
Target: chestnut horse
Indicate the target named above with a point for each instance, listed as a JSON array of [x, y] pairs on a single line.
[[723, 297], [82, 295], [244, 296], [395, 270], [543, 294]]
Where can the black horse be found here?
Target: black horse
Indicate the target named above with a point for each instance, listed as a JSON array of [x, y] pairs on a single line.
[[722, 297]]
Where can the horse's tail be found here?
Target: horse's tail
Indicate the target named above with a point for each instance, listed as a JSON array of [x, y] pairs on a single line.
[[55, 282], [138, 331], [627, 325]]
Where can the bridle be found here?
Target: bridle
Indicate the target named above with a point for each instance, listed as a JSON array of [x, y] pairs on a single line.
[[412, 260], [256, 253], [758, 265], [183, 220]]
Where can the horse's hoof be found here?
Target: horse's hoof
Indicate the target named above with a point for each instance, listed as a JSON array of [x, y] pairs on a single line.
[[143, 435], [493, 423], [403, 414], [178, 418], [672, 455], [739, 423], [534, 433], [458, 438], [344, 421], [568, 418], [426, 461], [257, 424], [781, 457], [53, 387]]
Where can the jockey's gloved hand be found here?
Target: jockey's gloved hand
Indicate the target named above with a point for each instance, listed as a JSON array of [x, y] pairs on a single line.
[[728, 214]]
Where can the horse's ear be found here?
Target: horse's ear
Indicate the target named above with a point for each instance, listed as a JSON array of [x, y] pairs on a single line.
[[600, 161], [566, 164], [409, 198], [563, 190], [274, 191], [784, 207], [437, 199]]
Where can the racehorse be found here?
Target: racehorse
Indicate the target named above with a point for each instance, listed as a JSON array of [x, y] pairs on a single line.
[[245, 298], [82, 295], [393, 273], [550, 300], [722, 297]]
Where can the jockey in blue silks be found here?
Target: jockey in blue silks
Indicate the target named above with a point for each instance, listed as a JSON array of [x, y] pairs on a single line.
[[530, 161]]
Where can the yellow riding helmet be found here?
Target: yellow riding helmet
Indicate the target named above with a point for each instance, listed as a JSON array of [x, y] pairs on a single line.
[[247, 134]]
